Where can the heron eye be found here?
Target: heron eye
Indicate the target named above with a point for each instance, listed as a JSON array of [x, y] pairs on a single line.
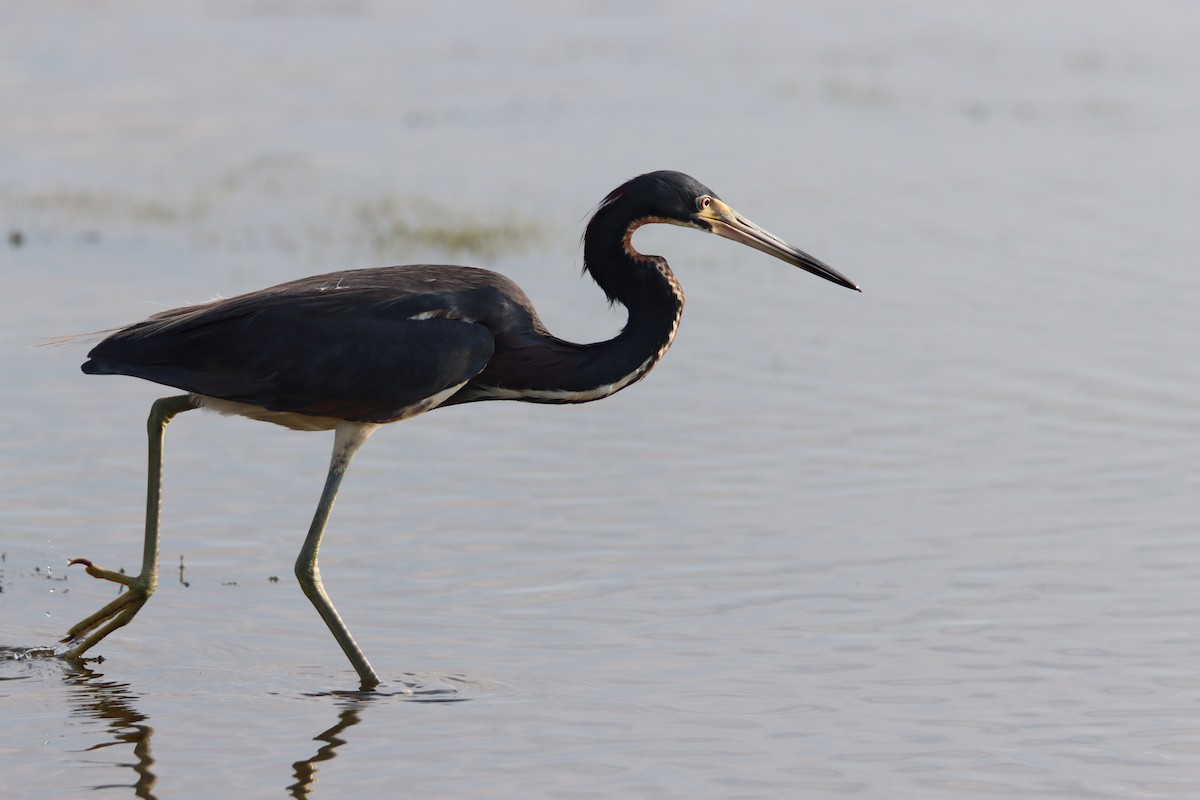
[[703, 202]]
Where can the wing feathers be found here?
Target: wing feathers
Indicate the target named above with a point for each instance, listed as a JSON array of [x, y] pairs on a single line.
[[351, 366]]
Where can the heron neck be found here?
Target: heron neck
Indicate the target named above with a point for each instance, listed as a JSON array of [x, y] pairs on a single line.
[[645, 285], [545, 369]]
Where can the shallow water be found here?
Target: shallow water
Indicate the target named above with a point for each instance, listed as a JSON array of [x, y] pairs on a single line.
[[935, 540]]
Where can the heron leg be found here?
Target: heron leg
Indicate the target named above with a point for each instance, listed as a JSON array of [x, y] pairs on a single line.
[[87, 632], [348, 438]]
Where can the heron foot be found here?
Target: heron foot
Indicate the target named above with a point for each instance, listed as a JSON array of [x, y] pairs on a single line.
[[87, 632]]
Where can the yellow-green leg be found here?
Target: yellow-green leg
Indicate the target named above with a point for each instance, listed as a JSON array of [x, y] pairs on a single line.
[[348, 437], [87, 632]]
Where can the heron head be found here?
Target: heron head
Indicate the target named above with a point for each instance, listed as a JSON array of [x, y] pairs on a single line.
[[679, 199]]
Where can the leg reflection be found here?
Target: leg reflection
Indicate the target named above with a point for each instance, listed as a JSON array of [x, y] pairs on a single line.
[[112, 703], [306, 771], [352, 704]]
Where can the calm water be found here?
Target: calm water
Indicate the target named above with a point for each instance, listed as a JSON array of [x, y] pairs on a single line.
[[939, 539]]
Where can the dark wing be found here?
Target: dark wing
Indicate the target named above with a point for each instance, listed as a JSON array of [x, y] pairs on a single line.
[[364, 351]]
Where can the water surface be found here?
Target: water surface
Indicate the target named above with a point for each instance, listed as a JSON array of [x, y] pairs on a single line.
[[935, 540]]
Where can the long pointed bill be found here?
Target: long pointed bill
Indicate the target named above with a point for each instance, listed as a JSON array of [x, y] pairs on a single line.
[[732, 225]]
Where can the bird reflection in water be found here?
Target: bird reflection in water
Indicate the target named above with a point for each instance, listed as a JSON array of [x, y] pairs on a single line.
[[306, 770], [352, 703], [112, 703]]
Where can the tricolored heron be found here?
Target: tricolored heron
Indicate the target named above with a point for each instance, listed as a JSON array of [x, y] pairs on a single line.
[[350, 351]]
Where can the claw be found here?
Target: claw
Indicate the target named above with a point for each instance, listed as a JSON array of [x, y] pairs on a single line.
[[103, 574]]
